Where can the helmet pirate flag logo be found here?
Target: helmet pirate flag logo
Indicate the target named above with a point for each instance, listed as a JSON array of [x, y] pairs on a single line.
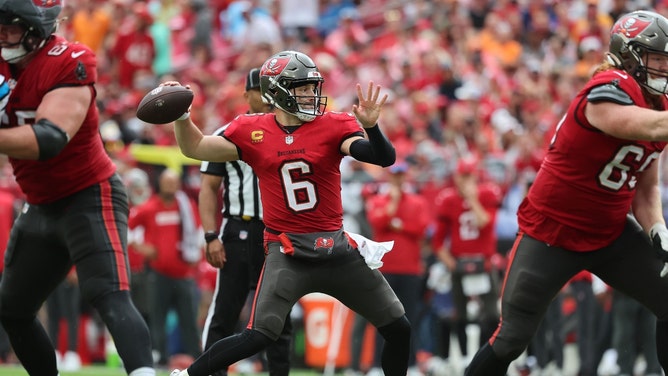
[[274, 66], [630, 26]]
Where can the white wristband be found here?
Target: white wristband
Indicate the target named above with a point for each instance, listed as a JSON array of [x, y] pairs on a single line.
[[185, 115]]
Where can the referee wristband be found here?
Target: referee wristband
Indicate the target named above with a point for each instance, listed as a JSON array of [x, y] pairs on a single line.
[[210, 236]]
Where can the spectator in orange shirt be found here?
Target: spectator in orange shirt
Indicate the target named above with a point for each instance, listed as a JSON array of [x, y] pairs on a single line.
[[593, 24], [91, 25]]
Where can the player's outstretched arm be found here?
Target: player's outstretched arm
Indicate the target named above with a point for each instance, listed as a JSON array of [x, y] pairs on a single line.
[[376, 149]]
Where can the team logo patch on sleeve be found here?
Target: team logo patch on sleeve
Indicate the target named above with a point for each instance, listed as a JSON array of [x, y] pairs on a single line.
[[81, 72]]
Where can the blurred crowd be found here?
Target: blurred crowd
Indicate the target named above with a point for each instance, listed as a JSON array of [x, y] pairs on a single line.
[[487, 79]]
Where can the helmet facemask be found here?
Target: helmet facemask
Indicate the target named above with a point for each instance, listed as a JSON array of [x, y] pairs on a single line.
[[304, 107], [654, 80], [15, 52]]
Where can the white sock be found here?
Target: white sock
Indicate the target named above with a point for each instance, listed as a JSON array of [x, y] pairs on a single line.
[[143, 371]]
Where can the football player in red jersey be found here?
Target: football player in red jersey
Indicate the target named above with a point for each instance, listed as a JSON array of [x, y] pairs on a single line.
[[77, 207], [465, 242], [595, 203], [296, 153]]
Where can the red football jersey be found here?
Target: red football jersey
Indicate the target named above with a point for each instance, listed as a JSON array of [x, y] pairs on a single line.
[[298, 172], [586, 183], [160, 225], [83, 162], [413, 212], [135, 51], [455, 220]]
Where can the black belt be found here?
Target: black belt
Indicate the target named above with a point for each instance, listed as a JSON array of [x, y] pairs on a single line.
[[272, 231]]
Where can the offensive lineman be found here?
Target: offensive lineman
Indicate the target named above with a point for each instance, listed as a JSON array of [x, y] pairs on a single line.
[[601, 164], [76, 210]]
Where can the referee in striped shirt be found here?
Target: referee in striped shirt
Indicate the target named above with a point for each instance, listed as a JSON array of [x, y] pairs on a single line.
[[237, 249]]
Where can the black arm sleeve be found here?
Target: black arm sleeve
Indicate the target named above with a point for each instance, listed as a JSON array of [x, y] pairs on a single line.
[[377, 149], [50, 138]]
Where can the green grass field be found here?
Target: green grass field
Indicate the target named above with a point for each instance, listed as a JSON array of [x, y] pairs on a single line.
[[104, 371]]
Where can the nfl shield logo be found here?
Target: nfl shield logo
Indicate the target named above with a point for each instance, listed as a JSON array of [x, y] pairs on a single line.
[[289, 139]]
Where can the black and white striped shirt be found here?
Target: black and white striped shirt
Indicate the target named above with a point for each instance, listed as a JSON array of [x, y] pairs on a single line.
[[241, 192]]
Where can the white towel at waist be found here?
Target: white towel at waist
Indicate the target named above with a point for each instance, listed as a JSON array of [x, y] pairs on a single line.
[[372, 251]]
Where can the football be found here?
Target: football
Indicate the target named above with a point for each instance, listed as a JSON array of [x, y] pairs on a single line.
[[164, 104]]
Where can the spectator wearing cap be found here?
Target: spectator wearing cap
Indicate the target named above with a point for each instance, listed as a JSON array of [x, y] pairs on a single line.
[[234, 245], [590, 54], [397, 213], [464, 241]]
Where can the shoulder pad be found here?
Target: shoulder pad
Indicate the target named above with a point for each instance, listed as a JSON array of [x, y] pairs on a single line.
[[609, 93]]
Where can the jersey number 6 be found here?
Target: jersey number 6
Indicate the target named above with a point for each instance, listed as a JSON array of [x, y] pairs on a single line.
[[301, 193]]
